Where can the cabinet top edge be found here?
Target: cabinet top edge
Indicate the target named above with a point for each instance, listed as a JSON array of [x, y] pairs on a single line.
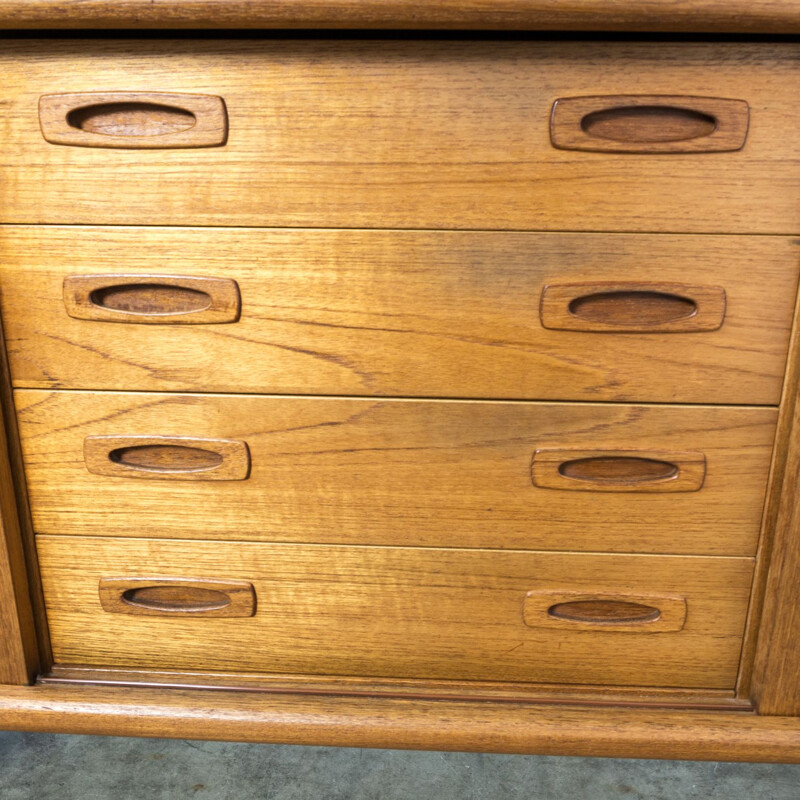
[[646, 16]]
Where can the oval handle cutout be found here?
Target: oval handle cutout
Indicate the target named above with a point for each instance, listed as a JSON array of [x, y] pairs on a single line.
[[649, 124], [152, 299], [632, 307], [617, 470], [604, 612], [131, 119], [169, 597], [167, 457], [601, 610], [174, 598], [134, 120]]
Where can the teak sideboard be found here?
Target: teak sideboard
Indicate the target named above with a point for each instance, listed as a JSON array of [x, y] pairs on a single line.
[[428, 387]]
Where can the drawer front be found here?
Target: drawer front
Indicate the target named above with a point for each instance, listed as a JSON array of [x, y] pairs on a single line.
[[503, 315], [695, 137], [399, 612], [397, 472]]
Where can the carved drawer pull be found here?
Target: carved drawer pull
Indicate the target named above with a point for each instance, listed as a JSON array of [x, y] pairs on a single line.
[[177, 597], [604, 611], [167, 458], [649, 124], [152, 299], [627, 307], [134, 120], [618, 470]]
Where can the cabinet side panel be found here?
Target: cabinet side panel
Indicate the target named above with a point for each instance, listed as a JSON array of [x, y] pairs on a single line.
[[776, 677], [18, 648]]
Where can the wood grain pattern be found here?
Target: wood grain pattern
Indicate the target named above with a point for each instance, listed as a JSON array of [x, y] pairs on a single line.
[[401, 723], [401, 612], [767, 587], [712, 16], [649, 124], [399, 313], [620, 307], [19, 644], [598, 611], [19, 658], [181, 458], [133, 120], [551, 693], [181, 597], [418, 725], [776, 667], [152, 299], [599, 470], [409, 134], [428, 473]]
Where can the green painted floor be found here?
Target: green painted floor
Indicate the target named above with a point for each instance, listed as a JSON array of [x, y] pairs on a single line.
[[45, 767]]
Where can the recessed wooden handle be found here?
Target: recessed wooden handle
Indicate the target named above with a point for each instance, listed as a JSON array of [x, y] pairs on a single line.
[[177, 597], [604, 611], [632, 307], [152, 299], [181, 458], [649, 124], [133, 120], [618, 470]]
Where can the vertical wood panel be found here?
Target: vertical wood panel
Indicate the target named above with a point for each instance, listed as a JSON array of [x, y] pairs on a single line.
[[18, 648], [776, 676]]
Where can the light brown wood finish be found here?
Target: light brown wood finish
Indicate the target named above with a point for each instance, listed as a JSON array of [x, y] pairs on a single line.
[[401, 612], [133, 120], [625, 307], [776, 508], [399, 723], [776, 669], [366, 133], [649, 124], [721, 699], [400, 313], [152, 299], [19, 657], [183, 597], [599, 470], [19, 643], [598, 611], [714, 16], [182, 458], [428, 473]]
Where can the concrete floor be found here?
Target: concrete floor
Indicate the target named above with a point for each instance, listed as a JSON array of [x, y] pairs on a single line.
[[45, 767]]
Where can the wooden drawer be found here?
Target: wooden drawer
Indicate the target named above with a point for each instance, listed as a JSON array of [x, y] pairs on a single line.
[[412, 134], [398, 472], [406, 313], [397, 612]]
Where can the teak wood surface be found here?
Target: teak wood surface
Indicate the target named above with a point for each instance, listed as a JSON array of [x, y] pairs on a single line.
[[713, 16], [133, 120], [399, 723], [19, 657], [408, 134], [338, 133], [152, 300], [402, 313], [398, 472], [189, 458], [399, 612], [183, 597]]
